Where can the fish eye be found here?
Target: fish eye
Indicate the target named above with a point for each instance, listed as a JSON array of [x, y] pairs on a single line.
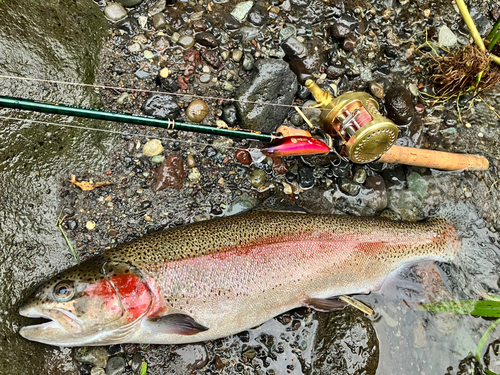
[[63, 291]]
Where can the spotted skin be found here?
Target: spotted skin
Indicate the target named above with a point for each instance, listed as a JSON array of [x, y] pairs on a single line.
[[233, 273]]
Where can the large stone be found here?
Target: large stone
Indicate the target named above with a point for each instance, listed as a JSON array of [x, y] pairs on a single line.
[[162, 106], [58, 40], [271, 81]]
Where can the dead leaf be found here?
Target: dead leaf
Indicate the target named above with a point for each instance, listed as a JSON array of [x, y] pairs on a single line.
[[85, 185]]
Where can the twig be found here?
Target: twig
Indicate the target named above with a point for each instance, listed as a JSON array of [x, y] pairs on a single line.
[[59, 225], [357, 304]]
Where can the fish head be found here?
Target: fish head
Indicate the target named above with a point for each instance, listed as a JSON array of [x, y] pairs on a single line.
[[89, 304]]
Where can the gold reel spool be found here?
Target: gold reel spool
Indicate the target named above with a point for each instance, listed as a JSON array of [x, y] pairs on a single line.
[[354, 116]]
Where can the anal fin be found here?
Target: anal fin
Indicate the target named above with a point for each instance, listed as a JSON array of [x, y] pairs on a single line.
[[178, 324], [324, 304]]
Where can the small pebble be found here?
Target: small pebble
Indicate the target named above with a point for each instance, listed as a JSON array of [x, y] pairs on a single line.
[[237, 55], [115, 11], [129, 3], [159, 21], [197, 110], [248, 62], [190, 161], [186, 41], [257, 178], [148, 54], [360, 176], [158, 159], [243, 157], [205, 78], [115, 366], [90, 225], [377, 90], [133, 48], [152, 148], [241, 10], [195, 175], [165, 72], [287, 188]]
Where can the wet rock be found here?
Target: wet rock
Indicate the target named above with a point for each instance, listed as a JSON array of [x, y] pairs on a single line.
[[404, 202], [243, 157], [72, 224], [161, 106], [270, 81], [399, 105], [336, 71], [293, 48], [228, 22], [418, 184], [212, 58], [191, 358], [152, 148], [377, 90], [96, 356], [136, 363], [241, 10], [340, 31], [349, 186], [115, 366], [305, 177], [129, 26], [229, 114], [341, 169], [115, 11], [129, 3], [159, 21], [446, 37], [360, 176], [395, 177], [191, 162], [258, 16], [206, 39], [197, 111], [288, 32], [97, 371], [241, 204], [349, 43], [194, 175], [377, 200], [237, 55], [157, 7], [354, 349], [205, 78], [169, 174], [222, 144], [257, 178], [248, 62], [419, 335], [186, 41]]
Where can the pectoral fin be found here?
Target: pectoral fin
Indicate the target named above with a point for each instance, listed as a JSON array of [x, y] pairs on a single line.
[[324, 304], [178, 324]]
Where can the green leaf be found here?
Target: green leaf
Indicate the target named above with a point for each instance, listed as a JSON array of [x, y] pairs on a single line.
[[472, 307], [144, 368]]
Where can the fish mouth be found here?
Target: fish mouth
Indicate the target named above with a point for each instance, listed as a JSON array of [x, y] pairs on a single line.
[[59, 324]]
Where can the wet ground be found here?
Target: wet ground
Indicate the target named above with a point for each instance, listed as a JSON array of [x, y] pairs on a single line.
[[37, 161]]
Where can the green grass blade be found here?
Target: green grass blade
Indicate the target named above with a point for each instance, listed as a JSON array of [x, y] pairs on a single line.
[[494, 41], [480, 346], [144, 368], [472, 307], [496, 26]]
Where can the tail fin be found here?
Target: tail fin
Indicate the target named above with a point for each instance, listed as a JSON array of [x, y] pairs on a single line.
[[477, 268]]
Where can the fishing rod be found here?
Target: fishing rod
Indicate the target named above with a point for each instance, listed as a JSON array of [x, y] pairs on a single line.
[[353, 128]]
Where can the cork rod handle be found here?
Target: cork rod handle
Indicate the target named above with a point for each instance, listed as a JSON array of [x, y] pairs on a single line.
[[434, 159]]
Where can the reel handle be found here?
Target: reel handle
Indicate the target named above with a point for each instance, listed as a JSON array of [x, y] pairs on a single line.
[[300, 70]]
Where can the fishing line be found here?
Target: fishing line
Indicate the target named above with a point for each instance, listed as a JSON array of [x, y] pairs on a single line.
[[98, 86], [120, 133]]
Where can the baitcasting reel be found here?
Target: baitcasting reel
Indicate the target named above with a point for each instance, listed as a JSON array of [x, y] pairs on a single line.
[[365, 135]]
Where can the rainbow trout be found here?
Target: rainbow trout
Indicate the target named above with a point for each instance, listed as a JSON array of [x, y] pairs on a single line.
[[216, 278]]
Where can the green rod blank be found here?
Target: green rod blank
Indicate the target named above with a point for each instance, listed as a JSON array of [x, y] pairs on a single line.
[[30, 105]]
